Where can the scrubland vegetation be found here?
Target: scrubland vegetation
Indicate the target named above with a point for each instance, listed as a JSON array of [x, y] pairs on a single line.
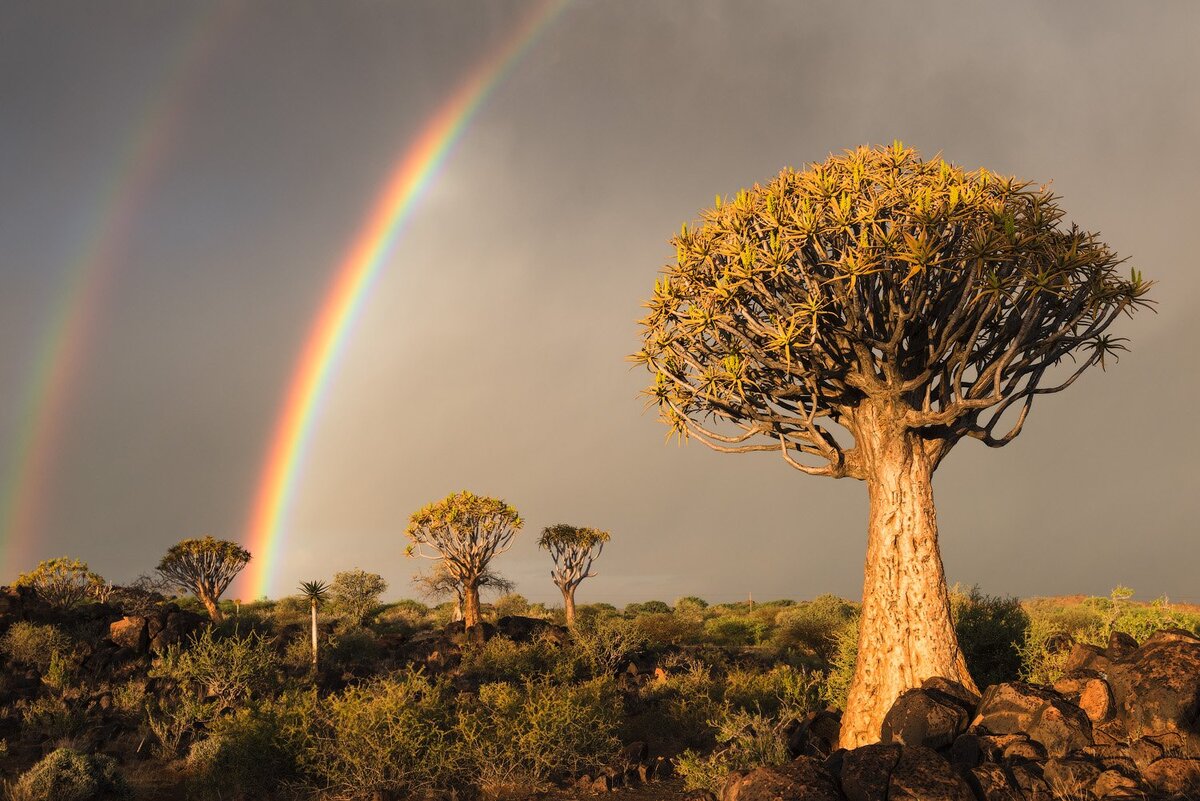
[[403, 704]]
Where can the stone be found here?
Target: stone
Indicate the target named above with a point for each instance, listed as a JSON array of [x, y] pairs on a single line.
[[1042, 714], [1070, 778], [966, 751], [800, 780], [925, 717], [1120, 645], [921, 774], [816, 735], [1096, 701], [1174, 776], [1024, 750], [1157, 688], [130, 632], [968, 698], [1027, 776], [1113, 784], [1144, 751], [991, 782], [865, 771], [526, 629]]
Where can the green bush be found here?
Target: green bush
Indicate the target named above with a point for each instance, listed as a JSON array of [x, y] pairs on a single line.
[[501, 659], [600, 645], [734, 631], [243, 758], [841, 668], [747, 740], [66, 775], [390, 735], [813, 626], [230, 670], [660, 629], [783, 692], [351, 647], [648, 608], [678, 707], [990, 632], [53, 718], [35, 645], [520, 738]]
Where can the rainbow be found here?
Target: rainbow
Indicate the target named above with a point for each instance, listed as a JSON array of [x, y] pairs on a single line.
[[352, 281], [86, 285]]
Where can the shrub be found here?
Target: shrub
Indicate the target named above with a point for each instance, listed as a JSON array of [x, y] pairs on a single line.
[[680, 706], [733, 631], [813, 626], [990, 632], [511, 604], [523, 737], [53, 717], [62, 582], [231, 670], [243, 758], [66, 775], [35, 645], [387, 736], [841, 668], [648, 608], [352, 647], [748, 740], [356, 592], [501, 659], [660, 629], [690, 605], [600, 645], [783, 692]]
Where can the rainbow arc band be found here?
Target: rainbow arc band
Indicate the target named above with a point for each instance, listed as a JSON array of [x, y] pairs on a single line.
[[352, 282]]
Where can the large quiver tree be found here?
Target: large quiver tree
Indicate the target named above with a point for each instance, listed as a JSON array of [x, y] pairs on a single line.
[[205, 567], [862, 317], [465, 532], [573, 550]]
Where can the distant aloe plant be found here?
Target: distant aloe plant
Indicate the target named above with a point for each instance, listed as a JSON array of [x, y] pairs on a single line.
[[316, 592]]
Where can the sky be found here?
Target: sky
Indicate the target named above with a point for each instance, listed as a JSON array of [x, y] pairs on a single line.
[[195, 173]]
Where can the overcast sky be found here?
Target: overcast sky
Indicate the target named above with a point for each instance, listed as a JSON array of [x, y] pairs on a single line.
[[247, 143]]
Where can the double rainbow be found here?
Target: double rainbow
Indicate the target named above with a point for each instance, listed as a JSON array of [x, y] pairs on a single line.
[[352, 282]]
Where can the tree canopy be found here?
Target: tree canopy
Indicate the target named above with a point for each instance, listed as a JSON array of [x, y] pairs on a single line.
[[204, 566], [962, 295]]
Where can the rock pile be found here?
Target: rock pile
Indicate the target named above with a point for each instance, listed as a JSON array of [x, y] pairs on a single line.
[[1122, 723]]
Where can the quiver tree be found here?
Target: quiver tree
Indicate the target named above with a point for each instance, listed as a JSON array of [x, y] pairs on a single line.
[[862, 317], [316, 593], [573, 551], [204, 567], [64, 582], [438, 583], [465, 532]]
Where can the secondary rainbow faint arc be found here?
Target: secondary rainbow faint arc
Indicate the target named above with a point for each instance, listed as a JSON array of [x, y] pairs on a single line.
[[91, 274], [352, 281]]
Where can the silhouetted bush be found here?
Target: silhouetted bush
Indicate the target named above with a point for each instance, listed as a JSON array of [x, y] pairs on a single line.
[[990, 632]]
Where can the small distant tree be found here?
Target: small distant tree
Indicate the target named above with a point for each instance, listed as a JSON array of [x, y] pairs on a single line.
[[316, 593], [63, 582], [859, 319], [357, 591], [205, 567], [439, 583], [466, 531], [573, 550]]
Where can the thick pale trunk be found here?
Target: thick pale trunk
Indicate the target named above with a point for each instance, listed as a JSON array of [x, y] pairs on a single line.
[[471, 615], [214, 611], [314, 634], [906, 634], [568, 594]]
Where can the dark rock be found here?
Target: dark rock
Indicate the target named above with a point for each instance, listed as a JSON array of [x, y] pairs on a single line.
[[1157, 688], [1024, 750], [1113, 784], [1070, 778], [1027, 776], [801, 780], [1085, 657], [130, 632], [865, 771], [1144, 751], [1171, 635], [991, 782], [1120, 645], [815, 736], [966, 751], [922, 775], [968, 698], [1061, 727], [1174, 776], [924, 717]]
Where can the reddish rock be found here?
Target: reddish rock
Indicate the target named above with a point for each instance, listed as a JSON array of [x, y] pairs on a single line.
[[801, 780], [130, 632], [1043, 714], [1024, 750], [968, 698], [1174, 776], [922, 775], [991, 782], [1158, 687], [1085, 657], [1070, 778], [1027, 776], [1113, 784], [924, 717], [815, 736], [865, 771], [1096, 700], [1120, 645]]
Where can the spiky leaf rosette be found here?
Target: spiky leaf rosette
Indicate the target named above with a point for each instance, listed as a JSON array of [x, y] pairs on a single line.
[[960, 295]]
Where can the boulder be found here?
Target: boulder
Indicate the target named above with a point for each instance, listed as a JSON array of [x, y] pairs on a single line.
[[800, 780], [1085, 657], [865, 771], [1174, 776], [1113, 784], [816, 735], [1044, 715], [991, 782], [1070, 778], [176, 627], [921, 774], [1120, 645], [925, 717], [1157, 687], [1027, 776], [130, 632], [526, 629], [968, 698]]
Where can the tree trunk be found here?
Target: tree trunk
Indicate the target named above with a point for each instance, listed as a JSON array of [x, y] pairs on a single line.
[[214, 611], [568, 594], [905, 634], [314, 634], [471, 616]]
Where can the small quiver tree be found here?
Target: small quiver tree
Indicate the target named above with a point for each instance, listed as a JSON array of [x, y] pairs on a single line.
[[205, 567], [316, 593], [862, 317], [357, 592], [573, 551], [465, 532], [64, 582]]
